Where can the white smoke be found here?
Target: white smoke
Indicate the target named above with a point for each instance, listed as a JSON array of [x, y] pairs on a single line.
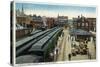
[[44, 20]]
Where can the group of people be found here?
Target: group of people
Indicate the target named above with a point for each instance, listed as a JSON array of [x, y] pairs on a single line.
[[81, 49]]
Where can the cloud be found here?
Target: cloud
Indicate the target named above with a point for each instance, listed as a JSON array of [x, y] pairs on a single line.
[[47, 13]]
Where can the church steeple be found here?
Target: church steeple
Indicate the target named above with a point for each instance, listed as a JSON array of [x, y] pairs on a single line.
[[22, 10]]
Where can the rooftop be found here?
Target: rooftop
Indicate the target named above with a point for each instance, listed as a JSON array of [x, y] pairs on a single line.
[[79, 32]]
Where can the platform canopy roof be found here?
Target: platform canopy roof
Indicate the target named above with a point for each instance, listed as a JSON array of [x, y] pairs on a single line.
[[79, 32]]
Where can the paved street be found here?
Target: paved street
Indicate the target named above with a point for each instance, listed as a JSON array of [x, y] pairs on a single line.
[[65, 46], [80, 57], [61, 46]]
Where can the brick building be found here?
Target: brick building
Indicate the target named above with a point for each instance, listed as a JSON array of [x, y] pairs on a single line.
[[88, 24], [37, 22], [50, 22], [62, 20]]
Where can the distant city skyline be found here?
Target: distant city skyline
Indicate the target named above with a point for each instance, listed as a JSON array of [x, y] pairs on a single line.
[[53, 10]]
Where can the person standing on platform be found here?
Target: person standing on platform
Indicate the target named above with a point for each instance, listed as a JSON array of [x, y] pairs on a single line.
[[69, 57]]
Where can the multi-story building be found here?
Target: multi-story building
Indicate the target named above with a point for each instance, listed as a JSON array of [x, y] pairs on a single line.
[[62, 20], [92, 24], [42, 22], [50, 22], [83, 27], [37, 22], [88, 24]]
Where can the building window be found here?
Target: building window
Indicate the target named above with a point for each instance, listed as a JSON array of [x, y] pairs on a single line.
[[82, 24], [78, 24], [94, 23], [86, 24]]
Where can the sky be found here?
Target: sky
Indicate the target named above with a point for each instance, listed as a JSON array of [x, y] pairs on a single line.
[[53, 10]]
